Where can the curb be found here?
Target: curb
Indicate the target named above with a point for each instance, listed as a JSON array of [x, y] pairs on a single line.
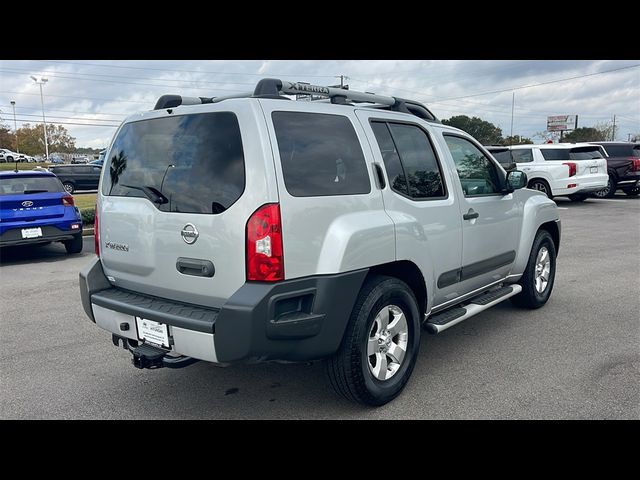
[[87, 232]]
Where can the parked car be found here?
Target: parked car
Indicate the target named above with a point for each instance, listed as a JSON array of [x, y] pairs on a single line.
[[98, 162], [77, 177], [79, 160], [563, 169], [35, 209], [7, 156], [54, 160], [361, 225], [623, 168]]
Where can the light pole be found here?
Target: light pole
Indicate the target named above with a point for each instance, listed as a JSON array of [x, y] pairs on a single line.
[[15, 125], [41, 82]]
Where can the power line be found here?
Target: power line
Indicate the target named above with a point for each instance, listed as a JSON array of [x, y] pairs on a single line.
[[542, 83], [68, 111], [266, 74], [70, 118], [72, 123], [71, 77], [83, 98]]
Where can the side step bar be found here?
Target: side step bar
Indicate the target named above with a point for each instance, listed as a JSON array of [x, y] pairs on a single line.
[[452, 316]]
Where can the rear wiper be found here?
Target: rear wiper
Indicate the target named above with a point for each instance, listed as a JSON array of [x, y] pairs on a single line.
[[151, 193], [35, 191]]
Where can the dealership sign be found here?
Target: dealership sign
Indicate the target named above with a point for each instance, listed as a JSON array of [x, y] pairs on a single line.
[[557, 123]]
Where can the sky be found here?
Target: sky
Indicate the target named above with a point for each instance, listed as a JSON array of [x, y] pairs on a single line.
[[92, 97]]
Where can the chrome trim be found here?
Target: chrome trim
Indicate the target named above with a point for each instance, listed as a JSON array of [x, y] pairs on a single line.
[[464, 297]]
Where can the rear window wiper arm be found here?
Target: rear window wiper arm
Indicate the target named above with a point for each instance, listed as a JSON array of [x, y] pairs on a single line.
[[151, 193]]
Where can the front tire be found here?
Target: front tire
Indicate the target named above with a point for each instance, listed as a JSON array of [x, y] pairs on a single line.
[[632, 192], [380, 344], [75, 245], [540, 273]]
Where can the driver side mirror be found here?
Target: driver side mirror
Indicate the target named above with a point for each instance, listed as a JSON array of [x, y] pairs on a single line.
[[516, 179]]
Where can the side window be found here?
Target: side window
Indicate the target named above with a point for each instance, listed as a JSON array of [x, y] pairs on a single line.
[[390, 158], [320, 154], [410, 161], [554, 154], [522, 155], [478, 175]]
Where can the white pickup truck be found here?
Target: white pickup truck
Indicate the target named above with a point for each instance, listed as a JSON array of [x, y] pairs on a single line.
[[560, 169]]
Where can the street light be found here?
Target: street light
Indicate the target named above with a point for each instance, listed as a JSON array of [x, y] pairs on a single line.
[[41, 82], [15, 125]]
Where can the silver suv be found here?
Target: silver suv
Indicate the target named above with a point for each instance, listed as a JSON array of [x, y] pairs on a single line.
[[256, 228]]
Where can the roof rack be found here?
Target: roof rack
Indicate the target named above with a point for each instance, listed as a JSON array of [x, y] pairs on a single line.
[[276, 88]]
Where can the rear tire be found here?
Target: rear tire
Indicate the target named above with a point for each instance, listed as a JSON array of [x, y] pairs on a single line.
[[536, 289], [370, 366], [75, 245], [632, 192], [578, 197], [69, 187], [541, 186], [609, 191]]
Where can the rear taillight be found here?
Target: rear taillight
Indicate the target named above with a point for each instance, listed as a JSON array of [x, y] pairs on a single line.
[[265, 258], [573, 168], [67, 201], [96, 232], [635, 166]]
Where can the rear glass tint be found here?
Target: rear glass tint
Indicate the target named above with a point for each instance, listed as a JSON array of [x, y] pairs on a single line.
[[195, 161], [320, 155], [502, 156], [629, 150], [576, 153], [29, 184]]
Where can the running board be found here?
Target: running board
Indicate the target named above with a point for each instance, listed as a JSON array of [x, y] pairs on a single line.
[[453, 316]]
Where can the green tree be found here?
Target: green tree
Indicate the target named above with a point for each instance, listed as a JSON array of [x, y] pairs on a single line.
[[7, 139], [516, 140], [32, 140], [485, 132], [586, 134]]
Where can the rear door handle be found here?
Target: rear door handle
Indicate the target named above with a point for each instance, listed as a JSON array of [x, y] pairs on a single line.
[[470, 215], [195, 267]]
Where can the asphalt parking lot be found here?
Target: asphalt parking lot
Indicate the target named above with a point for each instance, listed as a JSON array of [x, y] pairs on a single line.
[[578, 357]]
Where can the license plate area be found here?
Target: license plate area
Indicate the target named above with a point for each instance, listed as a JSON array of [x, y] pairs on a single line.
[[594, 170], [152, 332], [31, 232]]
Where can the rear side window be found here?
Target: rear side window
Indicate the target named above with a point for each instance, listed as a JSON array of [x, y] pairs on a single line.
[[410, 161], [29, 184], [195, 161], [320, 155]]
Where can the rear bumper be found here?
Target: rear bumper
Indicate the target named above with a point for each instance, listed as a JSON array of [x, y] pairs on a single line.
[[294, 320], [593, 183], [50, 233]]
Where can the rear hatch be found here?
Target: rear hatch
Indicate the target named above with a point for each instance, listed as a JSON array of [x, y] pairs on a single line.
[[175, 195], [589, 159], [30, 198]]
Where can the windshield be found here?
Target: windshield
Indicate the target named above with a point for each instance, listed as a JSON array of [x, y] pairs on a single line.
[[195, 161], [26, 184]]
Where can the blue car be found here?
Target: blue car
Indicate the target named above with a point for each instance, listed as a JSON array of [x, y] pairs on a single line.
[[36, 209]]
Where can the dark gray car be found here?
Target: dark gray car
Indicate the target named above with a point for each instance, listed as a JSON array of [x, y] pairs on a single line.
[[78, 177]]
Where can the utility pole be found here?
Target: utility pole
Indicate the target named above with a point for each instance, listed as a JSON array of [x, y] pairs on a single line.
[[15, 125], [41, 82], [613, 134], [628, 137], [513, 102], [342, 79]]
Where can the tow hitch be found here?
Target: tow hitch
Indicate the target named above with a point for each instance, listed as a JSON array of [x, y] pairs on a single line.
[[146, 356]]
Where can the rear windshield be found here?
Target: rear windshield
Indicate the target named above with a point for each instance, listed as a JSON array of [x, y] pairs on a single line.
[[630, 150], [577, 153], [502, 156], [195, 161], [29, 184]]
